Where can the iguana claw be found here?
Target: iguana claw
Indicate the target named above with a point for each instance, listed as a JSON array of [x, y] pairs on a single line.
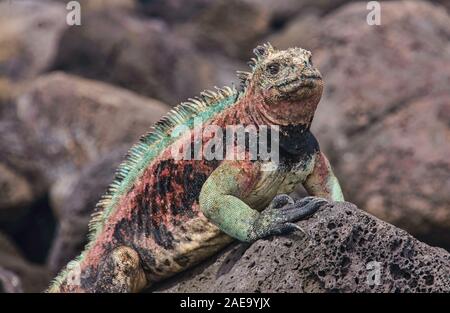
[[280, 201], [278, 217]]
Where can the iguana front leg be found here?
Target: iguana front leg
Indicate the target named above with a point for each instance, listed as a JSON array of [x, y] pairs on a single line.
[[322, 182], [220, 201]]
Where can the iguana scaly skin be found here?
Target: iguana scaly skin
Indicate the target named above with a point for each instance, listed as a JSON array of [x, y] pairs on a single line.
[[162, 215]]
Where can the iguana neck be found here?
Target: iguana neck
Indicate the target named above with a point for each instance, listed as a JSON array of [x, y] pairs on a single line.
[[283, 113]]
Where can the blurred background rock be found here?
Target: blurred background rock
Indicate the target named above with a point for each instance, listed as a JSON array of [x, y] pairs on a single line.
[[74, 98]]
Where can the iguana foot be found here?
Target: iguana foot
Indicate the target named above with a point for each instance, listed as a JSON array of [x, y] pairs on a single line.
[[278, 217], [120, 272]]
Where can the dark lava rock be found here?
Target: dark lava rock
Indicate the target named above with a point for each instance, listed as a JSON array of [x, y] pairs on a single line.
[[348, 251]]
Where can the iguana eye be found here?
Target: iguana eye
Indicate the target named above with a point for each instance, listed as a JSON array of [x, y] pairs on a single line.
[[273, 68]]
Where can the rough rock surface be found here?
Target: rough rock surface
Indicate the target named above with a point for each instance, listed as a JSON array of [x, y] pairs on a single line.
[[383, 119], [140, 54], [74, 198], [63, 123], [29, 32], [339, 256]]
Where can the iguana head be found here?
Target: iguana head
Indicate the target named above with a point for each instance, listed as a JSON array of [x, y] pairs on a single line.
[[286, 82]]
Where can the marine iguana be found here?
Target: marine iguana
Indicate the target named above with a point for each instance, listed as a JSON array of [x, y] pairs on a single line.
[[163, 214]]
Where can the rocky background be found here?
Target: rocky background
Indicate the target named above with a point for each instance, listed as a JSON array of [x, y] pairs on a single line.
[[74, 98]]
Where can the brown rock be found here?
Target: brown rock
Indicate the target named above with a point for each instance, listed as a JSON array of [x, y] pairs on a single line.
[[9, 282], [6, 246], [348, 251], [29, 31], [140, 54], [284, 10], [445, 3], [74, 199], [406, 168], [18, 275], [381, 119], [15, 192], [7, 90], [174, 11], [405, 57], [233, 27], [102, 5], [300, 32], [14, 149], [61, 123], [278, 12]]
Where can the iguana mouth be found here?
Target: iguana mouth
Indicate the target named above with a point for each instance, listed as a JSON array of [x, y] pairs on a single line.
[[297, 83], [288, 82]]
